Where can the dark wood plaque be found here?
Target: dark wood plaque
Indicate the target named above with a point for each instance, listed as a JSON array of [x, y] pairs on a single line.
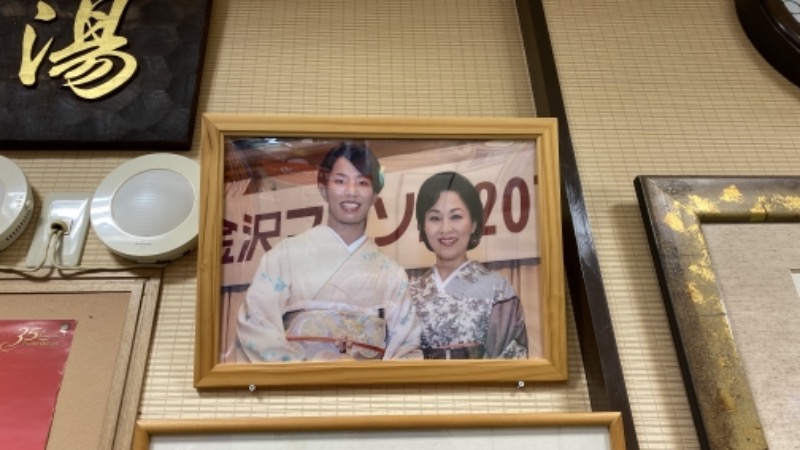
[[109, 74]]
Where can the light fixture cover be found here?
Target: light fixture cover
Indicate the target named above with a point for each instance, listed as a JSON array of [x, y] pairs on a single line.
[[146, 209], [16, 202]]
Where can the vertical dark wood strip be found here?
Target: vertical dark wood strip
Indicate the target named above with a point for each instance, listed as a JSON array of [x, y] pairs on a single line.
[[604, 376]]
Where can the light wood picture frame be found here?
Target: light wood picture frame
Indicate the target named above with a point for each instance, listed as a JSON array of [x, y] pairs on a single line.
[[406, 139], [545, 431], [115, 316], [674, 208]]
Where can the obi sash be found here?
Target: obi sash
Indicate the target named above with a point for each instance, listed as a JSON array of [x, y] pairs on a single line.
[[327, 334]]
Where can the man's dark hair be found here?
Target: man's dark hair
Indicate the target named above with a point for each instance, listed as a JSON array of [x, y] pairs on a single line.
[[360, 156]]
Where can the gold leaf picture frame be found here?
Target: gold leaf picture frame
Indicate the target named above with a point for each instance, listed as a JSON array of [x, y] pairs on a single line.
[[674, 208]]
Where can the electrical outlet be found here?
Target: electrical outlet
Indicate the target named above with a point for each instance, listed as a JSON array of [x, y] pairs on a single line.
[[69, 212]]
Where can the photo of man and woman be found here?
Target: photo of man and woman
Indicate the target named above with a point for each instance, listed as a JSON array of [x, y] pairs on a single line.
[[379, 250]]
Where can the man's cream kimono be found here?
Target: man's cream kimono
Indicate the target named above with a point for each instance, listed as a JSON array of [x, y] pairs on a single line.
[[311, 299]]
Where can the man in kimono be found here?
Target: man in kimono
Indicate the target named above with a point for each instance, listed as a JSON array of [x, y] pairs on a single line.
[[329, 293]]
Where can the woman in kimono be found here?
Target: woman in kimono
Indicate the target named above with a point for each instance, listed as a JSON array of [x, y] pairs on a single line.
[[329, 293], [467, 311]]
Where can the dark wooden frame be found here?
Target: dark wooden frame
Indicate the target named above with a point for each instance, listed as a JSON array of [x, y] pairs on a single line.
[[673, 209], [601, 361], [774, 33]]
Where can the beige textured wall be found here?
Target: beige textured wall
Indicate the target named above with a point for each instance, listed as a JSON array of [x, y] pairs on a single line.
[[650, 88], [666, 88]]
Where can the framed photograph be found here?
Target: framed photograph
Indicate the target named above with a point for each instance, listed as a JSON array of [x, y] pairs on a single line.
[[113, 315], [681, 215], [562, 431], [459, 278]]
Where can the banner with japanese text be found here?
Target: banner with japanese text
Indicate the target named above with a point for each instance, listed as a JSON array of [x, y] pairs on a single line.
[[503, 172]]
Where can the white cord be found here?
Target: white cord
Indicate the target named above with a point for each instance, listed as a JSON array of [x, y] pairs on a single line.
[[41, 264], [50, 253]]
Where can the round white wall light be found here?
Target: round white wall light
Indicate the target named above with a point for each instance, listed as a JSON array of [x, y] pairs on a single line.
[[146, 209], [16, 202]]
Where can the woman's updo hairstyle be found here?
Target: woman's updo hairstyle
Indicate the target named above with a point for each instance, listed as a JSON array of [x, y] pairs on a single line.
[[429, 194]]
